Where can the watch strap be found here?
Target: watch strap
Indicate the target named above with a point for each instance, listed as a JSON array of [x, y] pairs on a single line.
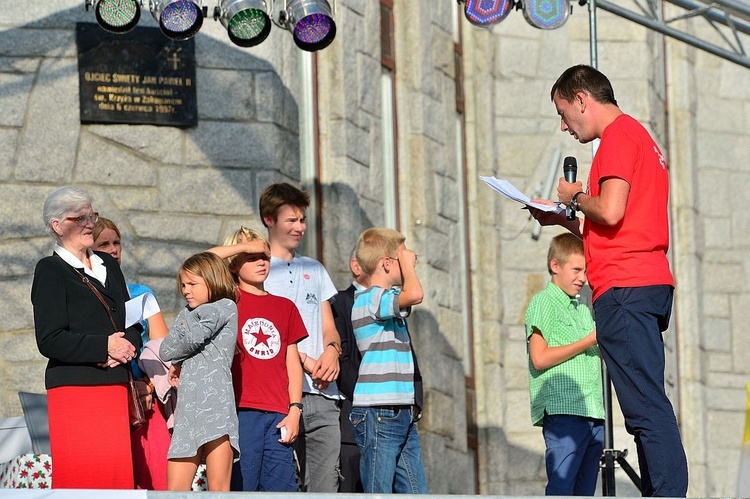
[[574, 200]]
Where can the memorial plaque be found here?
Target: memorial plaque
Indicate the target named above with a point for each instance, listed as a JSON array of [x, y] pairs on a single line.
[[137, 78]]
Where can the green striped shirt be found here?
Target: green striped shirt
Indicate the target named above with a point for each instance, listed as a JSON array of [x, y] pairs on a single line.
[[573, 387]]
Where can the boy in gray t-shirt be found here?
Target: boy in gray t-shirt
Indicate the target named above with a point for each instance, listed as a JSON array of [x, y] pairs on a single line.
[[305, 281]]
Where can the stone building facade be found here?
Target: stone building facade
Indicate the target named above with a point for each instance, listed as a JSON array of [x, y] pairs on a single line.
[[391, 125]]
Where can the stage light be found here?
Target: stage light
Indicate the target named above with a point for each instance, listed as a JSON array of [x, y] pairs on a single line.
[[116, 16], [546, 14], [246, 21], [487, 12], [311, 23], [178, 19]]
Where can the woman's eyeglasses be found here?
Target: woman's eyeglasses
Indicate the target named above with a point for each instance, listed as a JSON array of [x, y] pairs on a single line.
[[84, 220]]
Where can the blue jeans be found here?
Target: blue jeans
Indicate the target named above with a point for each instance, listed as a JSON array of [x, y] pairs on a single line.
[[629, 323], [265, 463], [574, 448], [390, 452]]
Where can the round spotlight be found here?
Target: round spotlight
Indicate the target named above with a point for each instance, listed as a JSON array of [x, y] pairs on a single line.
[[117, 16], [246, 21], [178, 19], [546, 14], [487, 12], [311, 23]]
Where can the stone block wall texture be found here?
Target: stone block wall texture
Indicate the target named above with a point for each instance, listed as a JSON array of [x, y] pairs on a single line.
[[177, 191]]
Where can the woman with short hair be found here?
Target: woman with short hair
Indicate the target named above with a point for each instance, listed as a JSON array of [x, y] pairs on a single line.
[[79, 316]]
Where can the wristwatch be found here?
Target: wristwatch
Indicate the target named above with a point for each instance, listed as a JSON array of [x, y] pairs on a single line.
[[298, 405], [574, 201], [336, 346]]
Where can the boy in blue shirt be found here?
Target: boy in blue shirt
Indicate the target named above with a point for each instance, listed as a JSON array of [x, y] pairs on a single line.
[[384, 412], [565, 380]]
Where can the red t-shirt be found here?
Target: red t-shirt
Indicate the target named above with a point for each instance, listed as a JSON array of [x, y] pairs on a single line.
[[267, 325], [632, 253]]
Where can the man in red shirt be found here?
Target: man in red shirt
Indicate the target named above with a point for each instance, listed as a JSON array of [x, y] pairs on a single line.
[[626, 236]]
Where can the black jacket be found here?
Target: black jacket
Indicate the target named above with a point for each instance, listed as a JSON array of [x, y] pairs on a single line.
[[72, 325], [351, 357]]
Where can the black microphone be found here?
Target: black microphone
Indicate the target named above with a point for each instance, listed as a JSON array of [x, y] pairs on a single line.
[[570, 168]]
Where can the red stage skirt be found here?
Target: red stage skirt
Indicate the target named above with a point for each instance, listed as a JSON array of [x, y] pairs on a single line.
[[150, 446], [90, 437]]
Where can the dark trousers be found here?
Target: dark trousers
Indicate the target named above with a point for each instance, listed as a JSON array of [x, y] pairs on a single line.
[[350, 481], [629, 323]]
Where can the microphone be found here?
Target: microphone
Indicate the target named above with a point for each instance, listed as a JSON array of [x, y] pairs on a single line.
[[570, 168]]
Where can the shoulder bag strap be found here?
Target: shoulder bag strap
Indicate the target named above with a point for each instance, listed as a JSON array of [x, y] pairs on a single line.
[[101, 298]]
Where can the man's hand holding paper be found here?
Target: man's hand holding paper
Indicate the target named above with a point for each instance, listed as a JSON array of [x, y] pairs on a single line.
[[508, 190]]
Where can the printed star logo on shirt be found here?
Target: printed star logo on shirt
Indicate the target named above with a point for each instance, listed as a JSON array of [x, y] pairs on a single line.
[[260, 338]]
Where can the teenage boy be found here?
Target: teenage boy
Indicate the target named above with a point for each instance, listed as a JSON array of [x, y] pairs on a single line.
[[384, 411], [305, 281], [565, 380]]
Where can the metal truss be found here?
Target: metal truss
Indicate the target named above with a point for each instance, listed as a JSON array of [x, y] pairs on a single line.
[[729, 18]]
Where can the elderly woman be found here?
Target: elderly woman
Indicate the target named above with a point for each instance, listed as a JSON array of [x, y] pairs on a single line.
[[79, 315], [150, 441]]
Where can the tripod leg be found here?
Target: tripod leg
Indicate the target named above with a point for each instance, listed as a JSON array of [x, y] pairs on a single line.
[[608, 473], [629, 470]]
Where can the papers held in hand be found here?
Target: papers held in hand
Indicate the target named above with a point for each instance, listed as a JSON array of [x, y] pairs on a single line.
[[140, 308], [509, 191]]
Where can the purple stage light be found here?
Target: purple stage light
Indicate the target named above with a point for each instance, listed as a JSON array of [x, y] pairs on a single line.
[[315, 30], [311, 23], [487, 12], [178, 19]]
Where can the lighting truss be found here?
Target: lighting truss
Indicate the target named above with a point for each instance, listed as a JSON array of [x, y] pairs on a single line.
[[729, 19]]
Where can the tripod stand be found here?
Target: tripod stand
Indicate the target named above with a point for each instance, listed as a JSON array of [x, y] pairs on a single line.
[[610, 456]]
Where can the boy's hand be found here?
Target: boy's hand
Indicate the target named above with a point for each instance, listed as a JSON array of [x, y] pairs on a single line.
[[174, 375], [255, 246], [591, 337], [326, 368], [407, 258], [291, 423]]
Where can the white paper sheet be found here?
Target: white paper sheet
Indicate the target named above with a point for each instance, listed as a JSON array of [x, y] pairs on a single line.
[[140, 308], [511, 192]]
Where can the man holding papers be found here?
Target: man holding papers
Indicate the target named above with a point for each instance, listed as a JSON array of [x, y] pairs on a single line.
[[626, 236]]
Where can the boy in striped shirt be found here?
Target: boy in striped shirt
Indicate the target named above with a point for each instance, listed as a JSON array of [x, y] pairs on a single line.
[[565, 379], [384, 413]]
